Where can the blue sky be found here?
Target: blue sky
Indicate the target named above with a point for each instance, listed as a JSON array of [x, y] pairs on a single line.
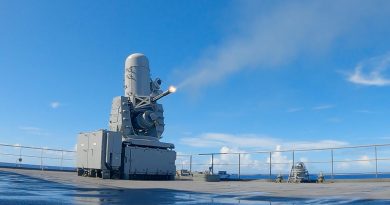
[[252, 75]]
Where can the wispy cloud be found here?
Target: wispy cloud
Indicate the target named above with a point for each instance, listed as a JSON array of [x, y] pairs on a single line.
[[55, 104], [334, 119], [269, 36], [33, 130], [372, 72], [323, 107], [30, 128], [221, 139], [315, 108], [365, 111], [296, 109], [259, 142]]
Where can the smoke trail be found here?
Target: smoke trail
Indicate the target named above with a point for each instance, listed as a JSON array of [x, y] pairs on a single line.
[[276, 35]]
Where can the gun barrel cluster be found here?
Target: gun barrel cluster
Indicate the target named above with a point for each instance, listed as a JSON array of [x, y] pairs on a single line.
[[170, 90]]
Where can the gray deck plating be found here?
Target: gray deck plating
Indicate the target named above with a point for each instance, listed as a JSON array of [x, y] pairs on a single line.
[[49, 187]]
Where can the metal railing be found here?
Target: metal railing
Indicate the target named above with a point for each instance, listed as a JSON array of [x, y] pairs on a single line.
[[365, 161], [368, 161], [36, 157]]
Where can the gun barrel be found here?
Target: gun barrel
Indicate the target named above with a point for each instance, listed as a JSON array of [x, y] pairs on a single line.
[[171, 89]]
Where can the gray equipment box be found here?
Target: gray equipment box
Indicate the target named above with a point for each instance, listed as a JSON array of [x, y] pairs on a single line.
[[99, 149], [144, 161]]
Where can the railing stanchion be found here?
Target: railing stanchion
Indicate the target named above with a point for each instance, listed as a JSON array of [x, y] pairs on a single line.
[[191, 163], [239, 165], [270, 166], [376, 162], [293, 155], [20, 156], [332, 161], [212, 163], [42, 159], [62, 159]]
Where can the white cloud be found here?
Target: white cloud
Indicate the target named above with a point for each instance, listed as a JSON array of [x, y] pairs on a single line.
[[371, 72], [342, 166], [318, 144], [315, 108], [229, 162], [295, 109], [334, 119], [365, 161], [280, 161], [362, 164], [323, 107], [33, 130], [217, 140], [365, 111], [55, 104], [220, 139], [269, 36], [254, 163], [251, 163], [30, 128], [16, 146], [303, 159]]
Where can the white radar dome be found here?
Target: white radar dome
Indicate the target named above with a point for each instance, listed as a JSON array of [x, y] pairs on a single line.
[[137, 59]]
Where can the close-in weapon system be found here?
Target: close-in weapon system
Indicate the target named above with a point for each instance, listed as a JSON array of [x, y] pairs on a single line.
[[131, 147]]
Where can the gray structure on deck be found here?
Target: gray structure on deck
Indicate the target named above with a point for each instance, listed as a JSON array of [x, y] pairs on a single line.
[[131, 148]]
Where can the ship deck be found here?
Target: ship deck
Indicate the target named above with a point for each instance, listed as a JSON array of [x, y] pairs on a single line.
[[20, 186]]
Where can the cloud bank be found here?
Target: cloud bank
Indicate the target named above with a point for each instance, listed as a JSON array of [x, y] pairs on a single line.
[[254, 163]]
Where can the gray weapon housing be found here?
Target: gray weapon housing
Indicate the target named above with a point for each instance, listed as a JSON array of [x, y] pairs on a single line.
[[131, 148]]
